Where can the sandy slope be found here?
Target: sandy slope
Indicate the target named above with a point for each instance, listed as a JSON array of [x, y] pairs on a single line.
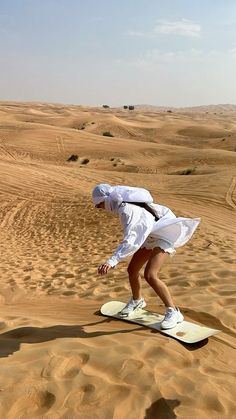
[[59, 357]]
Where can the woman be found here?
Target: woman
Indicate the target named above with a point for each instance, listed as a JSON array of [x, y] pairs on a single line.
[[151, 233]]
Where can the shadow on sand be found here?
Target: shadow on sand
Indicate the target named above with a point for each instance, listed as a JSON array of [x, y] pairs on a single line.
[[11, 340], [162, 409]]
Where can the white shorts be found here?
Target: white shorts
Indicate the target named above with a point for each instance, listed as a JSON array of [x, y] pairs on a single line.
[[152, 242]]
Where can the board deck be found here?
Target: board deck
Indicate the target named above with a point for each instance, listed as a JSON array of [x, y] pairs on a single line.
[[185, 332]]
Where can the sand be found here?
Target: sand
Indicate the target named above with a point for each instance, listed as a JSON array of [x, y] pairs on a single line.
[[59, 358]]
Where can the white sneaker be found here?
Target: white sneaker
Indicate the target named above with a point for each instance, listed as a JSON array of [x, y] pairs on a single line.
[[131, 306], [172, 318]]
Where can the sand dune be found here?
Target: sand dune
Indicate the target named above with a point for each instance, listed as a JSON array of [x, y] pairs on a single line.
[[59, 357]]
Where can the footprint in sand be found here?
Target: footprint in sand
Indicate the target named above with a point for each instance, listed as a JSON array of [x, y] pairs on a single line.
[[66, 367], [30, 402]]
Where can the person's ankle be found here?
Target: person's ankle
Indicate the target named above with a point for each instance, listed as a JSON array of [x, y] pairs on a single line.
[[136, 298]]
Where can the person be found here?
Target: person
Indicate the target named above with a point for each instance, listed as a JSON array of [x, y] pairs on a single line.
[[152, 232]]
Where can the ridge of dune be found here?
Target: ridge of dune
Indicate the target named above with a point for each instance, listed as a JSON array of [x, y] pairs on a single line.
[[59, 357]]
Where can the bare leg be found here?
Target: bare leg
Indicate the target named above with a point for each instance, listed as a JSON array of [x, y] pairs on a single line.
[[158, 257], [136, 263]]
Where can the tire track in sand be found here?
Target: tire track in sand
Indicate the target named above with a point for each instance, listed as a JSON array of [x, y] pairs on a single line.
[[230, 194]]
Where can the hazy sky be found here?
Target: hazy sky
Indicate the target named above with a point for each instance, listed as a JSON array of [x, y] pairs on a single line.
[[116, 52]]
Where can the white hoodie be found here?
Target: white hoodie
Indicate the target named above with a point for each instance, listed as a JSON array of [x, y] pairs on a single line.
[[138, 224]]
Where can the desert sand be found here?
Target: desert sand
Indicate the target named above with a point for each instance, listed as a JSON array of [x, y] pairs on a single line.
[[59, 358]]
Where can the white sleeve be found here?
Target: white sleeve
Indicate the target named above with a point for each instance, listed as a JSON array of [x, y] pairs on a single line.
[[137, 224]]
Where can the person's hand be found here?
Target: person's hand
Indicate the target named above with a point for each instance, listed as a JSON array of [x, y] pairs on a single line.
[[104, 268]]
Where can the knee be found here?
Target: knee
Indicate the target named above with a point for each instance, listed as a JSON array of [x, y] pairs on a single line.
[[150, 276]]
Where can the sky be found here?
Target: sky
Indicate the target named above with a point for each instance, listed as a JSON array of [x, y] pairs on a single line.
[[118, 52]]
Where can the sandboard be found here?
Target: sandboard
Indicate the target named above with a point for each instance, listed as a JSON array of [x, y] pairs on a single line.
[[185, 332]]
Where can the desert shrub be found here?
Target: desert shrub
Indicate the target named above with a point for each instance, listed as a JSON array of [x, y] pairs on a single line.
[[125, 107], [107, 134], [85, 161], [184, 172], [131, 108], [73, 157], [79, 126]]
